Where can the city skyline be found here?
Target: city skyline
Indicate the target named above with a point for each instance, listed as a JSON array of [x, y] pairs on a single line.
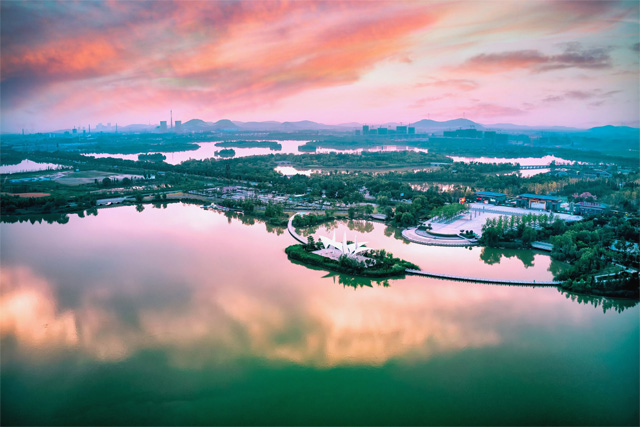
[[530, 63]]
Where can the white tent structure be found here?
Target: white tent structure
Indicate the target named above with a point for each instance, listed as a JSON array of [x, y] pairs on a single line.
[[344, 247]]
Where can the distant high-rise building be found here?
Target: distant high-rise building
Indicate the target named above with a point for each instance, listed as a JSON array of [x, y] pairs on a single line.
[[382, 131], [412, 130], [365, 130], [163, 125], [178, 125], [401, 130], [74, 130]]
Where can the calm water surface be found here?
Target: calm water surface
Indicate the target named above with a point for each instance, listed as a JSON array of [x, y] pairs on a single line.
[[28, 166], [524, 161], [186, 316], [208, 150]]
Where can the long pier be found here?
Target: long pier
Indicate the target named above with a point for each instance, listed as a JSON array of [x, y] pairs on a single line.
[[549, 166], [301, 239], [483, 280], [292, 230]]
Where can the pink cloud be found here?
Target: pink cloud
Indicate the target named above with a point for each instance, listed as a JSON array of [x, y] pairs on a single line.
[[220, 60], [460, 84], [574, 56], [91, 59], [484, 110]]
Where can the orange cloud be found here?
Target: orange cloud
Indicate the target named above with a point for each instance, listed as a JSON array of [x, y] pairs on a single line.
[[225, 57], [236, 52], [68, 58], [460, 84]]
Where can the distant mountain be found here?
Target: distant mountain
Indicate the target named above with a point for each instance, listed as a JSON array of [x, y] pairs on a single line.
[[422, 126], [305, 125], [195, 125], [136, 128], [614, 132], [224, 124], [511, 126], [352, 125], [272, 126], [268, 126], [433, 125]]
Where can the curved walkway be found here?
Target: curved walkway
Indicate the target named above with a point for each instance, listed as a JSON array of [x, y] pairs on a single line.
[[411, 235], [482, 280], [292, 230]]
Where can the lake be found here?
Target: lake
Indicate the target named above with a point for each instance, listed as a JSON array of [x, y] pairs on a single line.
[[523, 161], [179, 315], [209, 149], [29, 166]]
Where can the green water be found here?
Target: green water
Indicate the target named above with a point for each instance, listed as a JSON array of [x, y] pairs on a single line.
[[184, 316]]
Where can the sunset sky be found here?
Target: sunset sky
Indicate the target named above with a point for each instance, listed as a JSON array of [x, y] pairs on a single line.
[[76, 63]]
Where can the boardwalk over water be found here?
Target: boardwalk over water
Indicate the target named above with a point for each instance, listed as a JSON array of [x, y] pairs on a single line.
[[292, 230], [301, 239], [550, 166], [482, 280]]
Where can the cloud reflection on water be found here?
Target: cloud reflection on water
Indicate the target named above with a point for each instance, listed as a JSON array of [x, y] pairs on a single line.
[[187, 283]]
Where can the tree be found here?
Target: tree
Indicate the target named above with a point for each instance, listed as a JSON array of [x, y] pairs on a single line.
[[382, 200], [273, 210], [490, 236], [106, 182], [528, 236], [311, 244], [564, 247], [249, 206], [388, 211], [408, 219], [351, 212]]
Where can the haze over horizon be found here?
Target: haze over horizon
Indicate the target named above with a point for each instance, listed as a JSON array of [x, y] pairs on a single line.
[[537, 63]]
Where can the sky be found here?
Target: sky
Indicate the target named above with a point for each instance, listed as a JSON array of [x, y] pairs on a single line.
[[538, 63]]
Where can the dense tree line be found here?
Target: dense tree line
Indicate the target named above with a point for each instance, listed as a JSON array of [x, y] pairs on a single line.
[[387, 189], [522, 230], [311, 219]]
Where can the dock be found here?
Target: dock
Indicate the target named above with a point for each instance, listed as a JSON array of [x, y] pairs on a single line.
[[543, 246], [483, 280]]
